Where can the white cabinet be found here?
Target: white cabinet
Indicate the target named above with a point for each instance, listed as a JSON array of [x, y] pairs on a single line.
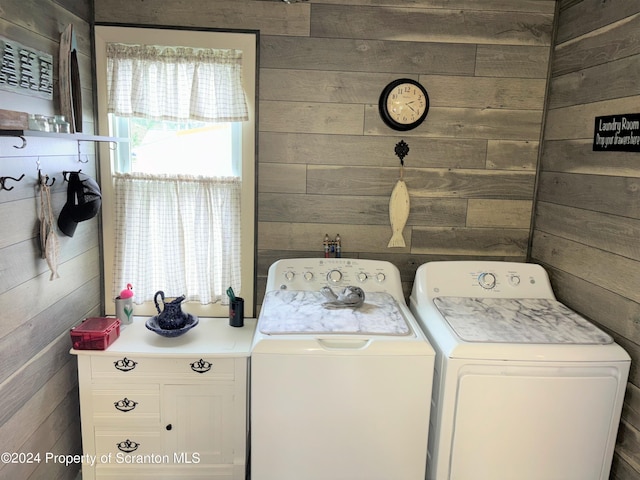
[[154, 407]]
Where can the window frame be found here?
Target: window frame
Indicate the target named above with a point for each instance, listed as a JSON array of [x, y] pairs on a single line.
[[248, 42]]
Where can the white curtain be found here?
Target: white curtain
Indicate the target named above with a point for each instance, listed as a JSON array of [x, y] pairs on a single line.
[[180, 234], [175, 83], [176, 233]]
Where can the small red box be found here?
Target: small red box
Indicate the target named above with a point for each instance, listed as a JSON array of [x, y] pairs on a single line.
[[95, 333]]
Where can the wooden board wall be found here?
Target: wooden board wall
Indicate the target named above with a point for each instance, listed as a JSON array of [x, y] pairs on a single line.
[[587, 213], [39, 410], [326, 159]]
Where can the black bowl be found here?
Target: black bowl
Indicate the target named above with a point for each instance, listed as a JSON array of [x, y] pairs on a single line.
[[152, 324]]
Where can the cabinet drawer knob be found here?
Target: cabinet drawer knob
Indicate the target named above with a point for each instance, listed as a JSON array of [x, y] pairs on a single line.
[[125, 405], [128, 446], [169, 427], [125, 365], [201, 366]]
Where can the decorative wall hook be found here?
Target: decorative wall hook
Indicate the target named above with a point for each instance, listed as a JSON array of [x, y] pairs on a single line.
[[43, 179], [86, 159], [4, 179], [65, 174], [24, 142], [402, 150]]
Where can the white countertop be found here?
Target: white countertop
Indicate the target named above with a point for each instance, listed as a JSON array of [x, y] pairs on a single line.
[[211, 336]]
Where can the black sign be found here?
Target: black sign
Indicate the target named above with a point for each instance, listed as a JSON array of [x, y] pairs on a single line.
[[617, 133]]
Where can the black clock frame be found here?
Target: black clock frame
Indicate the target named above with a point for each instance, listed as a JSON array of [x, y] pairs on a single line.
[[384, 112]]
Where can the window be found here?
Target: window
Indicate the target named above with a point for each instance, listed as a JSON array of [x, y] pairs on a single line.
[[208, 155]]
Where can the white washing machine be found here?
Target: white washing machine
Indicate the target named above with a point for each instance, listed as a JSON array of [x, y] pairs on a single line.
[[338, 393], [524, 388]]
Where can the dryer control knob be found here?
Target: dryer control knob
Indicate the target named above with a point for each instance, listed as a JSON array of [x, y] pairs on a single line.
[[289, 275], [381, 277], [334, 276], [362, 277], [487, 280], [308, 276]]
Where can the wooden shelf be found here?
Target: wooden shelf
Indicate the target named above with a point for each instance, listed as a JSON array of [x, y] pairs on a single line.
[[78, 137]]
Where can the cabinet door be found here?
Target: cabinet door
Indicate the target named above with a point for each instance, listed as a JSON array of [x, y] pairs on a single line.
[[198, 420]]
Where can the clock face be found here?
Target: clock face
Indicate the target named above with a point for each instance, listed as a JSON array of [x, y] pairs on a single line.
[[404, 104]]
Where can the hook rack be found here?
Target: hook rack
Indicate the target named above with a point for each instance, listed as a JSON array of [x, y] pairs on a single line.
[[4, 179]]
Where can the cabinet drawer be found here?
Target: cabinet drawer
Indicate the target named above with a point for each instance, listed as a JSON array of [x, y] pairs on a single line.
[[125, 403], [184, 367], [127, 442]]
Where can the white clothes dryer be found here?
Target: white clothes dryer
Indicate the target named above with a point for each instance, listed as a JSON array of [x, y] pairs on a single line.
[[524, 388], [338, 393]]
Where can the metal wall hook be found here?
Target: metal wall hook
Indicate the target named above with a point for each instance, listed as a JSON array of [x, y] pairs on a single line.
[[4, 179], [86, 160], [44, 179], [65, 174], [24, 142]]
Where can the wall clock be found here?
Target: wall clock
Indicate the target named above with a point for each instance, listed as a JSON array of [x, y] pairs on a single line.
[[404, 104]]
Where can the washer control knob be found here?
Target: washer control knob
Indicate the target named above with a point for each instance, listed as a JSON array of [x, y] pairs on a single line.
[[362, 277], [308, 276], [334, 276], [514, 280], [289, 275], [487, 280], [381, 277]]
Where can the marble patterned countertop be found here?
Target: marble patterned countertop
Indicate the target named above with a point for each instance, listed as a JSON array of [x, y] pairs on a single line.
[[515, 320], [301, 311]]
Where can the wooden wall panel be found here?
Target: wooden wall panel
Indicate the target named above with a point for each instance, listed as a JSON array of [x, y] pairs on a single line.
[[358, 209], [507, 93], [512, 155], [479, 123], [616, 195], [601, 82], [38, 377], [470, 241], [484, 64], [577, 156], [499, 213], [515, 61], [268, 17], [611, 42], [432, 25], [366, 55], [614, 271], [587, 213], [583, 16], [378, 151], [577, 121]]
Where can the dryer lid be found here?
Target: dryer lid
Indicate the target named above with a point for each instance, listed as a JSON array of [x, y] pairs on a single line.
[[518, 320]]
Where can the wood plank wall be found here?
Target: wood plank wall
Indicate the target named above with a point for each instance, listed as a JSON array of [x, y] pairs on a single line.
[[587, 213], [39, 410], [326, 160]]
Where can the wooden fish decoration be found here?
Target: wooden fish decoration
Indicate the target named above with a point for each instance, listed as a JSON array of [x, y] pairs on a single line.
[[398, 213]]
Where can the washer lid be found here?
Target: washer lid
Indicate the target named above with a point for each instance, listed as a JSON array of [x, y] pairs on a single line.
[[518, 320], [301, 312]]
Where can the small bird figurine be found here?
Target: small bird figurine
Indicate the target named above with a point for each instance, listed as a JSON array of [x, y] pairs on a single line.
[[350, 297]]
